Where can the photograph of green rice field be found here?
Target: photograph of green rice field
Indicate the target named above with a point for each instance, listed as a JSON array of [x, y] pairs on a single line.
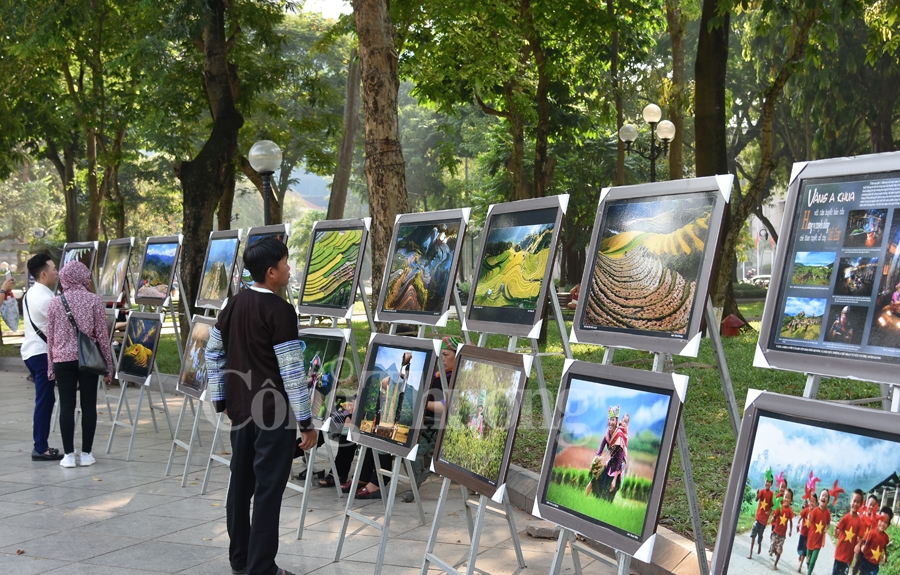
[[606, 453], [513, 266], [648, 260], [332, 266], [802, 318]]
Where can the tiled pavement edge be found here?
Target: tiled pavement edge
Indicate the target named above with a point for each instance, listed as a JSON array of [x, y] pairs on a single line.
[[127, 518]]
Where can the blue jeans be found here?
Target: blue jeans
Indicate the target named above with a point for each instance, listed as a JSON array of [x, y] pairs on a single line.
[[44, 399]]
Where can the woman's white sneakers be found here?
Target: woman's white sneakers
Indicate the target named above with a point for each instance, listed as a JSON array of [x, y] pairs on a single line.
[[84, 460]]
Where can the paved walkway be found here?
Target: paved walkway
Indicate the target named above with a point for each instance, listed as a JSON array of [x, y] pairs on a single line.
[[127, 518]]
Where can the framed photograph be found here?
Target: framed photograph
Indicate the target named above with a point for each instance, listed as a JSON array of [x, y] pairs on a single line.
[[192, 379], [85, 252], [390, 402], [420, 275], [518, 250], [651, 256], [158, 270], [833, 306], [608, 453], [333, 264], [811, 446], [139, 348], [478, 427], [115, 266], [280, 231], [323, 358], [221, 253]]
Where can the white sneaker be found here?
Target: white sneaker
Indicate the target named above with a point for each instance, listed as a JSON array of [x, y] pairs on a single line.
[[68, 460], [86, 459]]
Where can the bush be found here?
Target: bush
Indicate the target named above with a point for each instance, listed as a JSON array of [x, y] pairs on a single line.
[[749, 291]]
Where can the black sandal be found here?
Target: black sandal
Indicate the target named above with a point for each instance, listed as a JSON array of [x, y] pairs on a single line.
[[327, 481]]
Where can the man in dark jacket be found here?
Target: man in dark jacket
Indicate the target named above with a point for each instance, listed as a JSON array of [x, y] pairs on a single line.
[[254, 360]]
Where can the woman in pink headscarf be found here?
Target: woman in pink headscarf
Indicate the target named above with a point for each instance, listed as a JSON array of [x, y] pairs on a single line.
[[62, 357]]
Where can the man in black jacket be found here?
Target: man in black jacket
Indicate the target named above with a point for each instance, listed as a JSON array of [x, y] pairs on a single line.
[[256, 377]]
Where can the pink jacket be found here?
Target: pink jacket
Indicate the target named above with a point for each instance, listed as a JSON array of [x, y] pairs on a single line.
[[89, 314]]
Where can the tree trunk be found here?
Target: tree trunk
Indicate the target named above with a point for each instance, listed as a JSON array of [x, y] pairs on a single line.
[[543, 165], [886, 90], [385, 169], [676, 23], [709, 93], [95, 191], [617, 95], [205, 178], [65, 167], [339, 186], [226, 205]]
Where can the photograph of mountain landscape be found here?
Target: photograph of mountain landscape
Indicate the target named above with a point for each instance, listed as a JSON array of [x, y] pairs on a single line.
[[813, 268], [865, 228], [802, 318], [192, 379], [420, 267], [513, 265], [331, 268], [387, 400], [217, 271], [810, 456], [648, 261], [157, 270], [112, 280], [141, 338], [606, 453]]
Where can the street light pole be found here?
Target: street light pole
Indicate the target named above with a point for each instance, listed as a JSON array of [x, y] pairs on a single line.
[[265, 158], [664, 130]]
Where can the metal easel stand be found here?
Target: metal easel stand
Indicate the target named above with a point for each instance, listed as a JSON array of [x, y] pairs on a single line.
[[385, 527], [475, 526], [213, 456], [622, 563], [459, 312], [712, 329], [197, 410], [888, 395], [137, 415], [304, 489]]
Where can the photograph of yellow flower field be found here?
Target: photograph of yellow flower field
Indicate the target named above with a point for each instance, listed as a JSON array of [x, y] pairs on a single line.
[[332, 266]]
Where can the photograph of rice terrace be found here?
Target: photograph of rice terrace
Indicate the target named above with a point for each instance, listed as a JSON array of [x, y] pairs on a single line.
[[647, 264], [606, 453], [513, 266], [802, 318], [813, 268], [140, 343], [332, 266], [388, 400], [420, 267]]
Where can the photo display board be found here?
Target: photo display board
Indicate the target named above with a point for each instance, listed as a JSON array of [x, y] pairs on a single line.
[[478, 426], [192, 379], [218, 267], [608, 453], [333, 264], [279, 231], [518, 250], [115, 266], [323, 357], [139, 348], [393, 386], [158, 270], [833, 306], [84, 252], [822, 452], [420, 274], [651, 256]]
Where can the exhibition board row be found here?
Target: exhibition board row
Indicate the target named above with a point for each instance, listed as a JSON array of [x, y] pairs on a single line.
[[832, 310]]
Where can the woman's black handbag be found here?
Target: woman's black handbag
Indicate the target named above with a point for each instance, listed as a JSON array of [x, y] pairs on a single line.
[[90, 358]]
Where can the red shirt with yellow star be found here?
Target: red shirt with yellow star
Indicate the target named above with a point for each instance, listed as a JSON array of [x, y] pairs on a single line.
[[819, 521], [848, 532], [803, 528], [875, 544], [764, 496], [780, 519]]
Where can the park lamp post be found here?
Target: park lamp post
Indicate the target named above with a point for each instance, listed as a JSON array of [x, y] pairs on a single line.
[[265, 158], [664, 130]]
